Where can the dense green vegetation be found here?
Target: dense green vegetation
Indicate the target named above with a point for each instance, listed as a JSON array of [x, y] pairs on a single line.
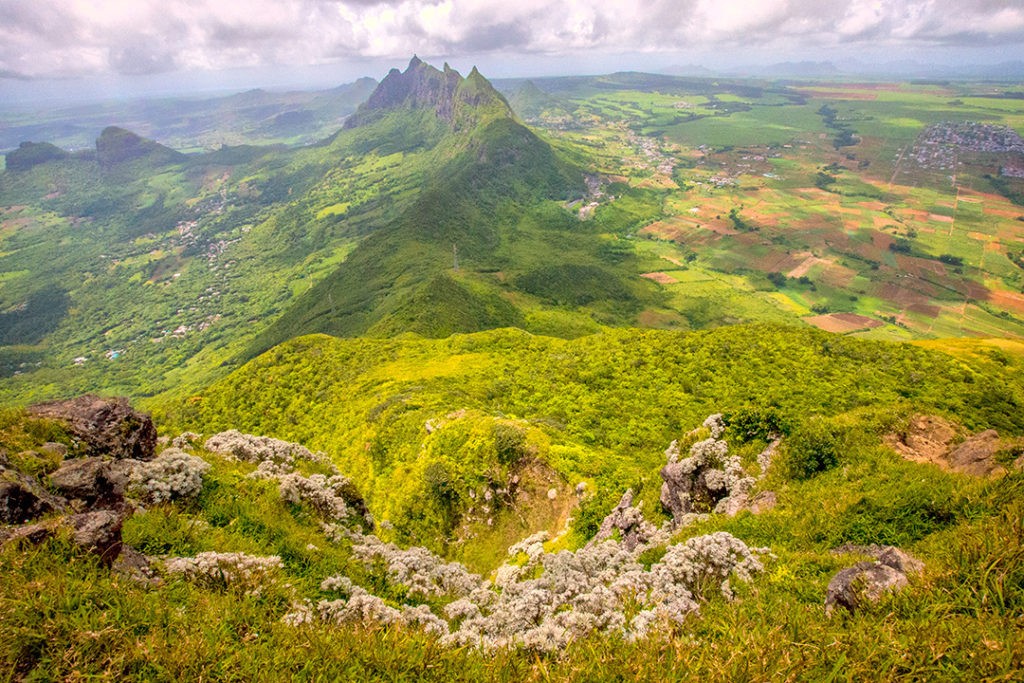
[[601, 409], [722, 195]]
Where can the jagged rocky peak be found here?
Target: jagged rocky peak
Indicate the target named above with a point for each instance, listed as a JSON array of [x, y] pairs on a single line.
[[452, 97], [117, 146]]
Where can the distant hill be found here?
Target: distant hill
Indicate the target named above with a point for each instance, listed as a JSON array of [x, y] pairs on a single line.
[[117, 146], [196, 123]]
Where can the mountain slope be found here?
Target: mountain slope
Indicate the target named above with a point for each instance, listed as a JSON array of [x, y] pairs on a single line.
[[606, 403], [427, 271]]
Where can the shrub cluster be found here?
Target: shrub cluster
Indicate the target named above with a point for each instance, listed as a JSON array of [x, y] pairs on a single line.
[[330, 497], [421, 571], [249, 448], [219, 570], [548, 599], [173, 474]]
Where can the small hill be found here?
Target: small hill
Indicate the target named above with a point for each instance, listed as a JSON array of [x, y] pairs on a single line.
[[117, 146], [30, 154]]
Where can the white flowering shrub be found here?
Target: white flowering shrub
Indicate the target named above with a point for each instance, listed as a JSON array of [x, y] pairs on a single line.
[[359, 608], [173, 474], [330, 497], [422, 572], [338, 584], [421, 617], [540, 601], [250, 448], [218, 570], [601, 588], [268, 469], [593, 590]]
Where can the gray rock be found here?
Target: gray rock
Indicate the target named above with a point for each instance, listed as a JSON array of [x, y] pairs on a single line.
[[29, 533], [683, 491], [99, 483], [98, 532], [888, 555], [54, 448], [733, 505], [860, 584], [18, 504], [136, 566], [763, 502], [628, 522], [104, 426]]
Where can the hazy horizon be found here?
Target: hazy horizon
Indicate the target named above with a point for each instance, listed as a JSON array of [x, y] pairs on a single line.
[[65, 51]]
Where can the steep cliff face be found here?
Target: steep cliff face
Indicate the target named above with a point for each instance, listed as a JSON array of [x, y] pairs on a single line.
[[458, 101]]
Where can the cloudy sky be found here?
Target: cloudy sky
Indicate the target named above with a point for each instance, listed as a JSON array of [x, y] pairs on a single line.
[[126, 39]]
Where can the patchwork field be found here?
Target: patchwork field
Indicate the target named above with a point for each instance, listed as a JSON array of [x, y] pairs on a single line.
[[884, 210]]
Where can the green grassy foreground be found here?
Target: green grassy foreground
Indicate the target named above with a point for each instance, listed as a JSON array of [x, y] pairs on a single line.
[[599, 409]]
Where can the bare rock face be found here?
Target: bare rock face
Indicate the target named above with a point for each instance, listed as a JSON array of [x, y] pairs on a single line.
[[888, 555], [685, 490], [97, 482], [98, 532], [862, 583], [763, 502], [133, 564], [105, 426], [931, 439], [976, 455]]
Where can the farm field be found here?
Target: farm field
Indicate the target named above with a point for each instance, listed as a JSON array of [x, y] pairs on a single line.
[[887, 202]]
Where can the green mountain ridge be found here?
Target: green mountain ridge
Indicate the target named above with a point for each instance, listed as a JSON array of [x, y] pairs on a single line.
[[417, 274]]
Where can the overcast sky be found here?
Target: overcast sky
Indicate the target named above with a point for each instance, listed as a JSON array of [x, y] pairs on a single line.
[[126, 40]]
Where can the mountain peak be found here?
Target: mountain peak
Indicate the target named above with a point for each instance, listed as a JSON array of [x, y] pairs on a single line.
[[458, 101]]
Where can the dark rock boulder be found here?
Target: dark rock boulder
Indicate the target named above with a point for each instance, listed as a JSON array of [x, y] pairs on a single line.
[[104, 426], [97, 532], [867, 581], [20, 504], [685, 490], [136, 566], [32, 534], [97, 482], [862, 583]]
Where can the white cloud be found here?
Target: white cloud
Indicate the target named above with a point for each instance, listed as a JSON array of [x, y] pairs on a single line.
[[73, 37]]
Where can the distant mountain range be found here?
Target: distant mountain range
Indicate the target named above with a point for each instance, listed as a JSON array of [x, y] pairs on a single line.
[[1002, 71], [190, 123]]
